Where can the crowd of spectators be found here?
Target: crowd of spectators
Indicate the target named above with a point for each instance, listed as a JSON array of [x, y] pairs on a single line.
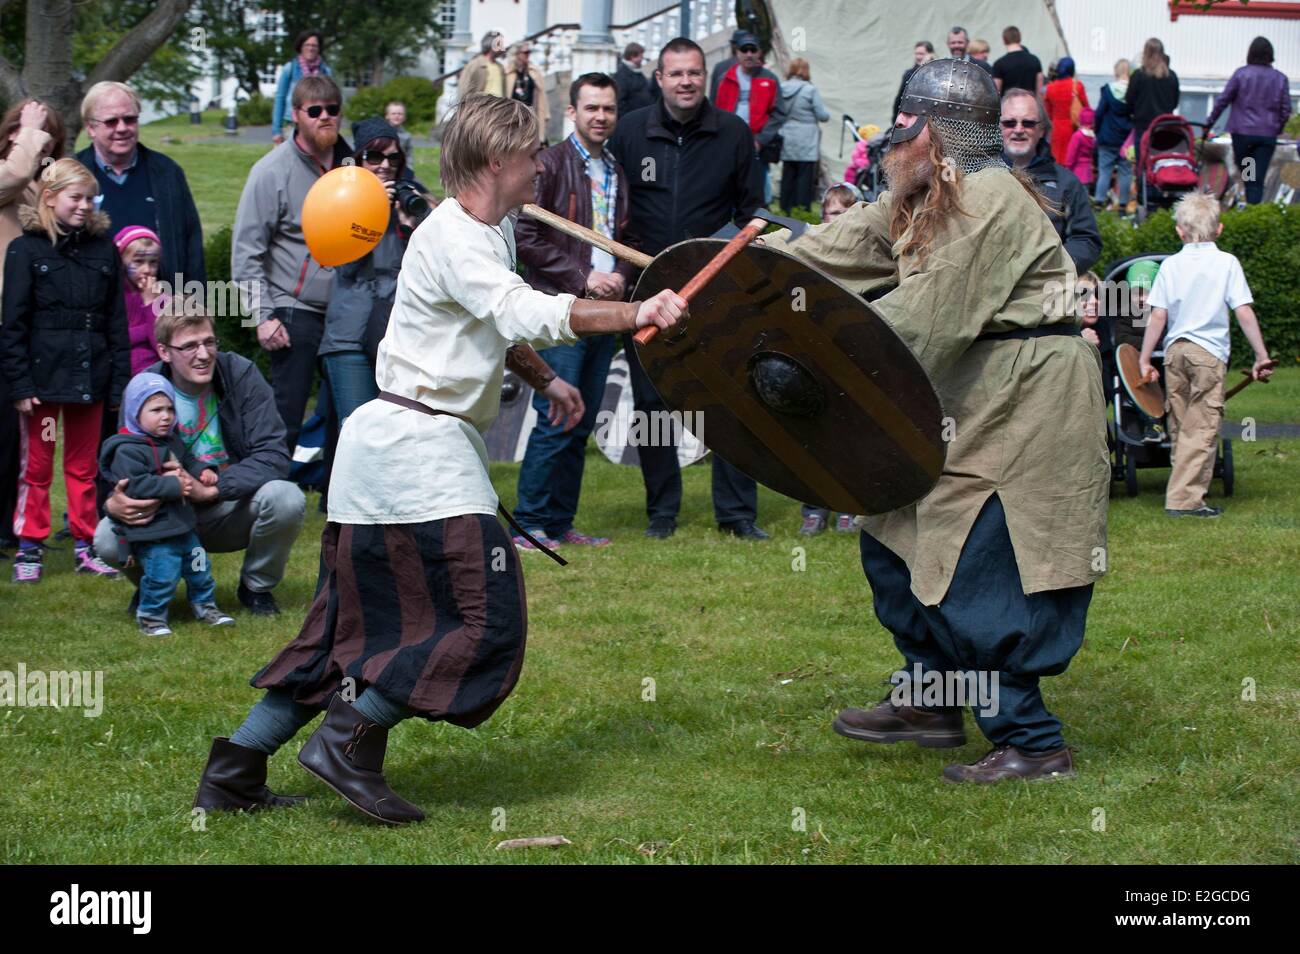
[[171, 443]]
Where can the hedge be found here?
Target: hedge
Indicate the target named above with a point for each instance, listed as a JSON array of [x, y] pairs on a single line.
[[1266, 239], [418, 95], [234, 336]]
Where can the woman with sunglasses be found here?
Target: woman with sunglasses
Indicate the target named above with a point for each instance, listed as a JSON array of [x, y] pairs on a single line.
[[363, 291]]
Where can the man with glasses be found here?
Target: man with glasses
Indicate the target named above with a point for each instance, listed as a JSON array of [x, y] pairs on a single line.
[[691, 170], [1025, 145], [140, 186], [226, 415], [270, 254]]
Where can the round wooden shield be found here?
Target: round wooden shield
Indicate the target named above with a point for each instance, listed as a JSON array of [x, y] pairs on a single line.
[[796, 381], [1149, 397]]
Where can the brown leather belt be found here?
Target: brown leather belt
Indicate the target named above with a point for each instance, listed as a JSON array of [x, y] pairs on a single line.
[[413, 405]]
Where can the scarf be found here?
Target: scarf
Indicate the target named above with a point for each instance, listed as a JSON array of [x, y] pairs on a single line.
[[311, 68]]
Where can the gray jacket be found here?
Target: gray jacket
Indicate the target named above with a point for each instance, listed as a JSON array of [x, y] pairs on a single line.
[[268, 247], [801, 133]]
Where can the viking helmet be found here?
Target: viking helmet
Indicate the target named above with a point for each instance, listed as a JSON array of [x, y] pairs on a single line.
[[959, 96]]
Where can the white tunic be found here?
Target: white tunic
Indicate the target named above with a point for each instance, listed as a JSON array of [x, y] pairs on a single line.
[[459, 305]]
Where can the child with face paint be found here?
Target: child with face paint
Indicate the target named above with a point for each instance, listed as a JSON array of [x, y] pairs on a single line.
[[141, 252], [167, 547]]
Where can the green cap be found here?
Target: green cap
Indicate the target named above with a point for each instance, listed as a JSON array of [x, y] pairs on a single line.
[[1142, 274]]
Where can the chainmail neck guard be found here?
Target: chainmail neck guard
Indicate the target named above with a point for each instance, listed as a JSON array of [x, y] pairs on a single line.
[[972, 146]]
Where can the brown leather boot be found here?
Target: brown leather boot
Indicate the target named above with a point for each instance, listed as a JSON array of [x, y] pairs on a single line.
[[234, 780], [1007, 762], [886, 722], [347, 754]]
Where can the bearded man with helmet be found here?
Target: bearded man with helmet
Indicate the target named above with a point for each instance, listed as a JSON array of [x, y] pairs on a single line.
[[990, 575]]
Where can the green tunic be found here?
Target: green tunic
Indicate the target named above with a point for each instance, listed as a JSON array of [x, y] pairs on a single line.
[[1028, 415]]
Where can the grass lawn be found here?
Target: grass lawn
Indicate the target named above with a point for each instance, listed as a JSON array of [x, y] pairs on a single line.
[[750, 661]]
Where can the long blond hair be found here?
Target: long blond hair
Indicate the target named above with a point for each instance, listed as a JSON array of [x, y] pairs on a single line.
[[59, 175], [942, 200], [1153, 59]]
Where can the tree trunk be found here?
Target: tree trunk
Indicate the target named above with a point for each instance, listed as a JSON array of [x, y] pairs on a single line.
[[47, 68], [377, 72]]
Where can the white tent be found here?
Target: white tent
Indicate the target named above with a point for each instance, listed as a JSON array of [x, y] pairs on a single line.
[[857, 50]]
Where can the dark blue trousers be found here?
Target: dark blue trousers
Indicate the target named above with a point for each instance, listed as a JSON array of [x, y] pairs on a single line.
[[985, 622], [550, 478]]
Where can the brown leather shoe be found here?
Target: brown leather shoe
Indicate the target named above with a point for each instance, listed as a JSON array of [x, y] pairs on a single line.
[[886, 722], [1007, 762], [347, 753]]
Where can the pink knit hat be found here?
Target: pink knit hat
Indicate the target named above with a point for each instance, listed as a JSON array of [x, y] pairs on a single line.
[[133, 233]]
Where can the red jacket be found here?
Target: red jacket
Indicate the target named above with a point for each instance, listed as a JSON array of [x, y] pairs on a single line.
[[764, 90]]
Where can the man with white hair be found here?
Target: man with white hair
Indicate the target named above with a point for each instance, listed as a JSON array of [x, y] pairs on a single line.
[[140, 186], [1025, 145]]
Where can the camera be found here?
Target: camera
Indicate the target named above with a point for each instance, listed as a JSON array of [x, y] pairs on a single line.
[[409, 200]]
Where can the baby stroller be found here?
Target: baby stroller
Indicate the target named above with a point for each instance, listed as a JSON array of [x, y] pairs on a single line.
[[1127, 428], [1169, 162]]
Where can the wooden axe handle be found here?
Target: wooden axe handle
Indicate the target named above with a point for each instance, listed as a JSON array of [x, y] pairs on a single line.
[[1241, 386], [629, 255], [710, 271]]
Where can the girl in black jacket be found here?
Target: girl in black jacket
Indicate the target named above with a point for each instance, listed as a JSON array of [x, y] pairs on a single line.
[[65, 350]]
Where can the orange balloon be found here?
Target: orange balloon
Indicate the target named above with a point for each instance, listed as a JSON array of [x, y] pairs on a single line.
[[345, 215]]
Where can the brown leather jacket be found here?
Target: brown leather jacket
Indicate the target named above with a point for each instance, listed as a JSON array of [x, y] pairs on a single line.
[[554, 262]]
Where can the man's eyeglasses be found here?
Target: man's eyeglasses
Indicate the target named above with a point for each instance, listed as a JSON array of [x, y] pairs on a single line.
[[192, 348], [685, 74], [749, 49], [315, 111], [376, 157], [1013, 123], [112, 121]]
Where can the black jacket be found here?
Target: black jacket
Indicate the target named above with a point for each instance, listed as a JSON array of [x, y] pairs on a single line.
[[685, 181], [64, 337], [140, 459], [635, 89], [1148, 97], [251, 428], [178, 219], [1074, 219], [554, 262]]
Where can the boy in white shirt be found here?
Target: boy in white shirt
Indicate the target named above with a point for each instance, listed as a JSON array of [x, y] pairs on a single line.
[[1193, 293]]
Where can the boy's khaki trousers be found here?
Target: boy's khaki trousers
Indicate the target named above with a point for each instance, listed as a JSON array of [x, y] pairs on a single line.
[[1194, 399]]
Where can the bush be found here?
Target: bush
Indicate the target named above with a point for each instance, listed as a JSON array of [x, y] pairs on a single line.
[[418, 95], [1265, 238], [232, 332], [254, 111]]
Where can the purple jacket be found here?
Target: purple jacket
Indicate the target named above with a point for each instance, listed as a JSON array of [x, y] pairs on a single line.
[[1260, 98]]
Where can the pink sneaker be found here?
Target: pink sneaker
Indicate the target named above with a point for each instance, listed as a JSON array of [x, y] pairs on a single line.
[[540, 536], [27, 566], [88, 561], [581, 539]]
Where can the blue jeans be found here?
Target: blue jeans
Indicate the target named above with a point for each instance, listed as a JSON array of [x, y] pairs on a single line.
[[1108, 158], [1257, 150], [351, 379], [163, 563], [550, 478]]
